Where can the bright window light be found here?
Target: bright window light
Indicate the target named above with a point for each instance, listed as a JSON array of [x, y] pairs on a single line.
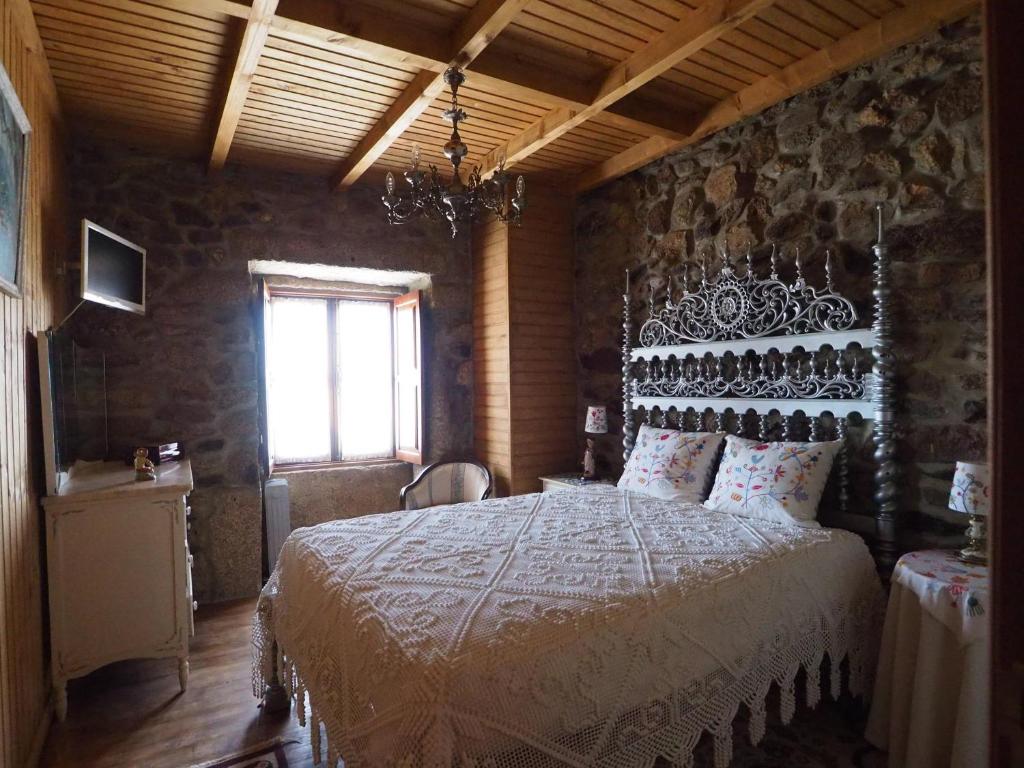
[[298, 381], [321, 408], [365, 382]]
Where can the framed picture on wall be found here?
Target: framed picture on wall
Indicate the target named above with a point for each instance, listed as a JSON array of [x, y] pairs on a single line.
[[14, 139]]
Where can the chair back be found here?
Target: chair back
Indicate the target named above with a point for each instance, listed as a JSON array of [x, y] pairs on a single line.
[[447, 482]]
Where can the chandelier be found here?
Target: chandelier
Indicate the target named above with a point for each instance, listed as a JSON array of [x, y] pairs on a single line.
[[457, 202]]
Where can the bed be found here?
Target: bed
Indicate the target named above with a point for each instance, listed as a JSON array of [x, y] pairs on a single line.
[[597, 626], [582, 627]]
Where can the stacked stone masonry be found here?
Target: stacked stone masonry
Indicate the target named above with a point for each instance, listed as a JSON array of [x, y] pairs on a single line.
[[906, 130]]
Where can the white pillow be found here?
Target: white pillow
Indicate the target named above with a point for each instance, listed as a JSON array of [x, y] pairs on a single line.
[[782, 482], [670, 464]]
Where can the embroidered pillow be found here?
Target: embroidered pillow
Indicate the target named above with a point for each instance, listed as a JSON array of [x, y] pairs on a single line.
[[782, 482], [670, 464]]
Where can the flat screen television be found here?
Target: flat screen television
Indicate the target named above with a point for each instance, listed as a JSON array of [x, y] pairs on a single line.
[[113, 269]]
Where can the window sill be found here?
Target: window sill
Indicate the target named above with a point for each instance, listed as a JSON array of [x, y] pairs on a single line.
[[332, 466]]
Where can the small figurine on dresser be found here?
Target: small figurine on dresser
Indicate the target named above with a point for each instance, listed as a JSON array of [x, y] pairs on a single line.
[[144, 468]]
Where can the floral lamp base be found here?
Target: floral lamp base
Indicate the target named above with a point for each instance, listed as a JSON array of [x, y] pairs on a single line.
[[976, 550], [589, 465]]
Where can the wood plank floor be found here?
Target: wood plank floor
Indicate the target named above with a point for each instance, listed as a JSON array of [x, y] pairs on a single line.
[[132, 715]]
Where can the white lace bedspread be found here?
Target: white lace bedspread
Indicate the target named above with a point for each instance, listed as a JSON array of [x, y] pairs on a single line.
[[580, 628]]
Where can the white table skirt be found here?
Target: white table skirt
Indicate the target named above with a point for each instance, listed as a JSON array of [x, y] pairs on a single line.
[[930, 707]]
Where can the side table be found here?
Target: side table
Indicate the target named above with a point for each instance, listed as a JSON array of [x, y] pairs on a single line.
[[930, 708]]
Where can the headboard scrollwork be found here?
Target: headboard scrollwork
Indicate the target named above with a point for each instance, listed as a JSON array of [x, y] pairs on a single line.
[[791, 353]]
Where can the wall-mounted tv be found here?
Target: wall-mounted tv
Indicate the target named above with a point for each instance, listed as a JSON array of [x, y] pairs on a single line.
[[113, 269]]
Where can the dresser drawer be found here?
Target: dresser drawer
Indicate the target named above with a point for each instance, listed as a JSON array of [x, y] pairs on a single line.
[[114, 582]]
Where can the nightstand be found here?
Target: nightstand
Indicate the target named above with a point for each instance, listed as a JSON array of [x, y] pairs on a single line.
[[569, 480], [930, 705]]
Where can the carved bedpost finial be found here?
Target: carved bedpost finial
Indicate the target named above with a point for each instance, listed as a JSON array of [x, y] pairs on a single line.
[[704, 268], [883, 395], [668, 292], [828, 271], [799, 268], [650, 296], [880, 210], [750, 260], [628, 428], [775, 264]]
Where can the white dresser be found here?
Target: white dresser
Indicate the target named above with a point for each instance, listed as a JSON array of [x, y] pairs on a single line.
[[120, 572]]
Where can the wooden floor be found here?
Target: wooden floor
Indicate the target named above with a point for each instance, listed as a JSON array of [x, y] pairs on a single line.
[[132, 715]]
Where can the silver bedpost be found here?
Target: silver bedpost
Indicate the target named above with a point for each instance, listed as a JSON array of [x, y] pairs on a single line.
[[883, 392], [628, 428], [844, 464]]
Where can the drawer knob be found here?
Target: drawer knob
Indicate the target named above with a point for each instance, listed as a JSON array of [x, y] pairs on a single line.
[[188, 511], [195, 605]]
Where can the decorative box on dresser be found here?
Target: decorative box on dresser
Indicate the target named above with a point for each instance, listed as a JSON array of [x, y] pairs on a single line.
[[120, 571]]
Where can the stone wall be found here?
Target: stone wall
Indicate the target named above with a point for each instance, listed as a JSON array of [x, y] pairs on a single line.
[[187, 370], [906, 129]]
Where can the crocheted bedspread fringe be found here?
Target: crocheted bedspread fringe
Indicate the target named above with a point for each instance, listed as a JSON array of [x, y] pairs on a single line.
[[853, 639]]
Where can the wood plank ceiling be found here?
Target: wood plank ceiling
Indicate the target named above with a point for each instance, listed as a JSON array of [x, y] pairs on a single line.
[[585, 89]]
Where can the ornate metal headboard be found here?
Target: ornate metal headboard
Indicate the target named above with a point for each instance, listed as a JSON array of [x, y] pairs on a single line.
[[755, 354]]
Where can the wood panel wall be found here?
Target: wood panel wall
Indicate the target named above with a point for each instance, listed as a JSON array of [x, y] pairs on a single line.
[[524, 357], [24, 691], [492, 428]]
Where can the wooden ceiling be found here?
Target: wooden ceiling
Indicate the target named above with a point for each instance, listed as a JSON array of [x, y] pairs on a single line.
[[587, 88]]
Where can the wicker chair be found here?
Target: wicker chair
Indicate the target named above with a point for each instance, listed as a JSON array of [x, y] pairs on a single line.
[[447, 482]]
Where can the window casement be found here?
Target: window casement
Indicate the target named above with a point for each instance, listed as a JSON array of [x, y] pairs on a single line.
[[341, 377]]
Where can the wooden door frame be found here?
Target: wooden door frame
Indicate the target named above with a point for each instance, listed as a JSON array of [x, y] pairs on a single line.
[[1004, 63]]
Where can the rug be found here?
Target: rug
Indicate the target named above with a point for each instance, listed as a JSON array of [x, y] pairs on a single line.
[[269, 754]]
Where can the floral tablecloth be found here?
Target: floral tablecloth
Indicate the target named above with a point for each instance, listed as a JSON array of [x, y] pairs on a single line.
[[954, 592], [930, 708]]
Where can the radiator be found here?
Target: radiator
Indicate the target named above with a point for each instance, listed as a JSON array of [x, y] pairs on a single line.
[[279, 525]]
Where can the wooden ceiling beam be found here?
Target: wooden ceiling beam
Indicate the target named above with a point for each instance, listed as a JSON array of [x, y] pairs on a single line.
[[535, 85], [350, 31], [254, 38], [866, 44], [692, 33], [487, 19]]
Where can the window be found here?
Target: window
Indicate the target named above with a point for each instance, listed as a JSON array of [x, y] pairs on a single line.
[[342, 378]]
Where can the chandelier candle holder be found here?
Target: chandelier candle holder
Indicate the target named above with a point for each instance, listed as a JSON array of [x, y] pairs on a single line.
[[970, 496], [456, 202]]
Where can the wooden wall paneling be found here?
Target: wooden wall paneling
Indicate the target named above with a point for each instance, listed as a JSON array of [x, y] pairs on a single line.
[[492, 436], [542, 365], [23, 686]]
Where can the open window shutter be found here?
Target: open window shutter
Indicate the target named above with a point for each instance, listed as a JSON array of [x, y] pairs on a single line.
[[262, 315], [408, 379]]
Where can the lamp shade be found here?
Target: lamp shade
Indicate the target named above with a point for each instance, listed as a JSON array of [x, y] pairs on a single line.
[[597, 420], [970, 492]]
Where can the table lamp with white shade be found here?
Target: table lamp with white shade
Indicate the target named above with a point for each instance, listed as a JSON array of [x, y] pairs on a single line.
[[597, 424], [970, 496]]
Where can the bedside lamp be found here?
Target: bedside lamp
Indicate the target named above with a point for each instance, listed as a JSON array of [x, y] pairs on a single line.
[[597, 424], [970, 496]]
